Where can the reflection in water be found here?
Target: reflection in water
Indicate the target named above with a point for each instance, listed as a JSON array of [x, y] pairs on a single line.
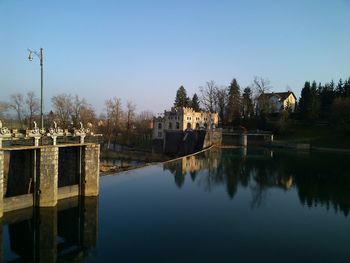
[[67, 232], [320, 179]]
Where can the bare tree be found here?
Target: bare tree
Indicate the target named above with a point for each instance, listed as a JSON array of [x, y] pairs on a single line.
[[144, 121], [113, 118], [63, 108], [208, 95], [222, 100], [32, 107], [261, 87], [87, 114], [17, 103], [3, 109], [82, 111], [130, 115]]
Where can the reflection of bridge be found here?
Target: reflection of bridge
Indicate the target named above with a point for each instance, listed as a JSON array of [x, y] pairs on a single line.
[[39, 167], [65, 232]]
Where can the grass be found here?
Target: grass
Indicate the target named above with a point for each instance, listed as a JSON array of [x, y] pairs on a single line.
[[316, 135]]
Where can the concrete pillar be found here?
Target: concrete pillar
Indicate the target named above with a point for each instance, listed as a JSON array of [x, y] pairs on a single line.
[[244, 140], [48, 177], [36, 141], [47, 235], [91, 169], [81, 140], [1, 182], [54, 140]]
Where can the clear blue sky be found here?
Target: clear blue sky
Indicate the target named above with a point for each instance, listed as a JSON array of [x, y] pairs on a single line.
[[144, 50]]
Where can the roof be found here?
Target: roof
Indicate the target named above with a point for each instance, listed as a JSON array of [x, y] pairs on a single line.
[[281, 95]]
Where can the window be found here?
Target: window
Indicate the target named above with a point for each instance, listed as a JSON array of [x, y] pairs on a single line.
[[160, 134], [159, 126], [177, 125], [170, 125]]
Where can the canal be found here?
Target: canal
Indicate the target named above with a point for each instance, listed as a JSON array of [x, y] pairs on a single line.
[[223, 205]]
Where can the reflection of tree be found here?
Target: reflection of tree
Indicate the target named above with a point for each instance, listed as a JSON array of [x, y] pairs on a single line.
[[320, 179], [175, 168], [193, 175]]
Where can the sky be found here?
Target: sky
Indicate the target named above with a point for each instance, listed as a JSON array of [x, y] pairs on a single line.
[[142, 51]]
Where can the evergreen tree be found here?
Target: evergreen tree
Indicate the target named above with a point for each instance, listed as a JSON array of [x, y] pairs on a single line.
[[346, 89], [326, 94], [247, 103], [234, 102], [339, 89], [195, 102], [309, 102], [181, 99]]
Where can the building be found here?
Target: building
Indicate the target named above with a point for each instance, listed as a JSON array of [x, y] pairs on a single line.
[[181, 119], [277, 101]]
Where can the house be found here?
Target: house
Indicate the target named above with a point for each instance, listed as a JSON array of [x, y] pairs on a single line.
[[277, 101], [181, 119]]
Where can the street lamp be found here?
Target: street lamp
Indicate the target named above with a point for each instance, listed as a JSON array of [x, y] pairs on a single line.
[[40, 56]]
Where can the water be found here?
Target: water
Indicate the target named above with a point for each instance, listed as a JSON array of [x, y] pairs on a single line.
[[122, 162], [219, 206]]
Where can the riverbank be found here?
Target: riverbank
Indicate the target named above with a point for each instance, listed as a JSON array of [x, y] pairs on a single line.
[[317, 137]]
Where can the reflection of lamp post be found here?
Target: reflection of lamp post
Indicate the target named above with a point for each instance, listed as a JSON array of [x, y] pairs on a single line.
[[40, 56]]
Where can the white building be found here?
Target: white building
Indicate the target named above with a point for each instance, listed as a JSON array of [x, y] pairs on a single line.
[[181, 119], [276, 102]]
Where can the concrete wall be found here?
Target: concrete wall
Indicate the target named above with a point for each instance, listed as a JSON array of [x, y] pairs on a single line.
[[91, 170], [48, 176], [184, 143]]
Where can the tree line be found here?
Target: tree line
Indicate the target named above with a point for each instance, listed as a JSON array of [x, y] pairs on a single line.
[[327, 102], [116, 122], [231, 104]]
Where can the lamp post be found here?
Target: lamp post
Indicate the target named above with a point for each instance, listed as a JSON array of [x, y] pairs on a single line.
[[40, 56]]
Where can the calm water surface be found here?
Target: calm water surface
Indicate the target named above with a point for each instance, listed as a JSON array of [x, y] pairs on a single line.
[[219, 206]]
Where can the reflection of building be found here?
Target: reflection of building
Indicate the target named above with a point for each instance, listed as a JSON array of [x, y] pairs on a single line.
[[275, 102], [196, 162], [208, 160], [180, 119]]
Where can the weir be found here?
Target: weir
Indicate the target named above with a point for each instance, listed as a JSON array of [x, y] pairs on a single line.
[[37, 171]]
